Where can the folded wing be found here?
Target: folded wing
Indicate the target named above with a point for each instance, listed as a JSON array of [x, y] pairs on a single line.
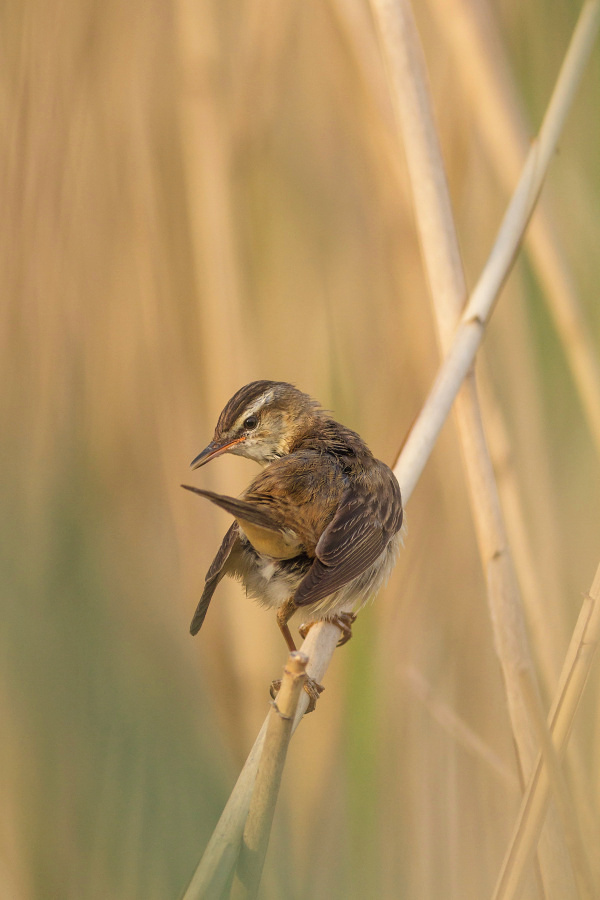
[[361, 529], [261, 518]]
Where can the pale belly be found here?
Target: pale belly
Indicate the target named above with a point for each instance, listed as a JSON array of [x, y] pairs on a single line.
[[273, 581]]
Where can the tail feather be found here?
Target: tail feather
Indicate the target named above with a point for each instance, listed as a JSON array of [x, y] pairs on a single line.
[[204, 603], [214, 575]]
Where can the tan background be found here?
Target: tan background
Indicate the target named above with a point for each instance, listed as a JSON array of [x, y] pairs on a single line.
[[195, 196]]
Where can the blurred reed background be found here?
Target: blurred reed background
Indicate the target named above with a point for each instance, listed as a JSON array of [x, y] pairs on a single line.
[[196, 195]]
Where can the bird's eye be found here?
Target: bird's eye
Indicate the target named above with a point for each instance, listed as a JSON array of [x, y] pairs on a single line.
[[251, 422]]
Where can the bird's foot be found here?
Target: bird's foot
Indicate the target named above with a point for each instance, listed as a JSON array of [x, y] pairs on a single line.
[[312, 688], [344, 621]]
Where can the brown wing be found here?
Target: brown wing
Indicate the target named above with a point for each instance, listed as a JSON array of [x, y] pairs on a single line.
[[261, 520], [287, 507], [260, 515], [213, 577], [359, 532]]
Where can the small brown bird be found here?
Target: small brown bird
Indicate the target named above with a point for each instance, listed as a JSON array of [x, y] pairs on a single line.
[[319, 529]]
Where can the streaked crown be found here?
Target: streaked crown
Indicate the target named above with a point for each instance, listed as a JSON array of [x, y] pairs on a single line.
[[260, 422]]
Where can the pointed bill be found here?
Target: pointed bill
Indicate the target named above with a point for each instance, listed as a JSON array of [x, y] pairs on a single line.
[[213, 450]]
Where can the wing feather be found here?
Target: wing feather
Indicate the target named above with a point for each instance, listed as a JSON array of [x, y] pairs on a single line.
[[258, 514], [359, 532]]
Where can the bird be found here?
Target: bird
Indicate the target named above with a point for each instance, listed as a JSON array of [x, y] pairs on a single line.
[[318, 530]]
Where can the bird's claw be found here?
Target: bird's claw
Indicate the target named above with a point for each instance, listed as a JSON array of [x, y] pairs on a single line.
[[312, 688], [344, 621]]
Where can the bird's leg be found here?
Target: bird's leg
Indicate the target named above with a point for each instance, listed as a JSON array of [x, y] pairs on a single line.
[[284, 614], [312, 687], [344, 621]]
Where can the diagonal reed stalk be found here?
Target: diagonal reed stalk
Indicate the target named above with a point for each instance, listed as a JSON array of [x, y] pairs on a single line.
[[565, 806], [575, 671], [485, 84], [266, 788], [220, 857], [215, 868], [439, 242], [471, 327], [468, 30]]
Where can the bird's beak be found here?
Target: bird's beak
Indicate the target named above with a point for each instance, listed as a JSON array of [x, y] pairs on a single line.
[[213, 450]]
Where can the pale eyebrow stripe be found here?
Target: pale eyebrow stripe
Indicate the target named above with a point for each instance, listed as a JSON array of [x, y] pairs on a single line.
[[255, 407]]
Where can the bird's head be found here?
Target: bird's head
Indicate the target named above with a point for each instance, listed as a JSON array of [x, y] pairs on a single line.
[[261, 422]]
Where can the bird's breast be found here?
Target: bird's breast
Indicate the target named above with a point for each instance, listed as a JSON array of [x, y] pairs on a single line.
[[267, 542]]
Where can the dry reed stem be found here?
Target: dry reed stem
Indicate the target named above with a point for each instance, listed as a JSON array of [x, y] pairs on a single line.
[[470, 331], [541, 600], [268, 779], [411, 99], [488, 85], [485, 82], [543, 615], [564, 802], [320, 643], [534, 803], [220, 856]]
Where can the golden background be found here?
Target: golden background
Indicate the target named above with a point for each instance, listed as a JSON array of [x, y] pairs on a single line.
[[194, 196]]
